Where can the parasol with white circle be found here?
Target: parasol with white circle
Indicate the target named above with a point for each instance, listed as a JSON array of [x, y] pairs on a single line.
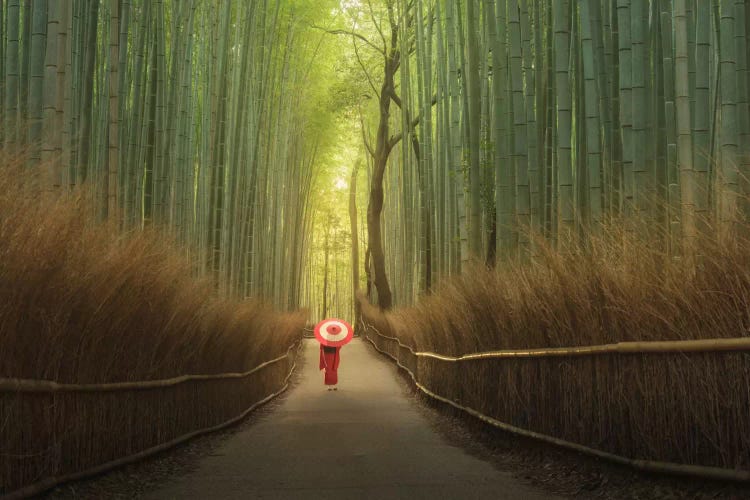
[[333, 332]]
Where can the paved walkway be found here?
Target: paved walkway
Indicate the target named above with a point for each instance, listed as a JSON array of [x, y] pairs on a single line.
[[366, 440]]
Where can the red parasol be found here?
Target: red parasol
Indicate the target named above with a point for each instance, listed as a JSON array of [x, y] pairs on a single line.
[[333, 332]]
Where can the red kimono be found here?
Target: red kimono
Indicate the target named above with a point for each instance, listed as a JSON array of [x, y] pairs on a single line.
[[329, 359]]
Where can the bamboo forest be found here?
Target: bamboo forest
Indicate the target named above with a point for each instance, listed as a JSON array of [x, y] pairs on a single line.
[[530, 218]]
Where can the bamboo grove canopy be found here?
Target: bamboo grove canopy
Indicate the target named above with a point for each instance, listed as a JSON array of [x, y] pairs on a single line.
[[481, 122], [555, 118], [192, 115]]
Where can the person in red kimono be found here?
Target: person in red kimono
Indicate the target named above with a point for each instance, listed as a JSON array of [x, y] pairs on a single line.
[[329, 359]]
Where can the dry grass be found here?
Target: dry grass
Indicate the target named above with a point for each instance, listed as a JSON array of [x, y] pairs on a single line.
[[81, 304], [78, 304], [687, 408], [622, 287]]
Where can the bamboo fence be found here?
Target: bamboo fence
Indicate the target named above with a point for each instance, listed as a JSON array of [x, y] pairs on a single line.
[[609, 401], [52, 433]]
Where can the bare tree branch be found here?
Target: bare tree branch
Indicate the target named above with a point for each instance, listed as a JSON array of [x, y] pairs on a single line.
[[364, 135], [375, 22], [380, 50], [364, 69], [396, 138], [396, 99], [392, 20]]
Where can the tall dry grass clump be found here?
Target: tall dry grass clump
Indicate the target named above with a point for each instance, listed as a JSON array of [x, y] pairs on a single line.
[[620, 287], [81, 303], [686, 408]]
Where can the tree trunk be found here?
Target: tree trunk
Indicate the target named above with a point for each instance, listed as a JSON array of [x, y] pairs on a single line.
[[383, 148]]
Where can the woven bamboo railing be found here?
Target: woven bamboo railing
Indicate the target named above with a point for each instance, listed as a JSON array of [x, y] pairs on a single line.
[[47, 386], [673, 346], [190, 392], [407, 358]]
